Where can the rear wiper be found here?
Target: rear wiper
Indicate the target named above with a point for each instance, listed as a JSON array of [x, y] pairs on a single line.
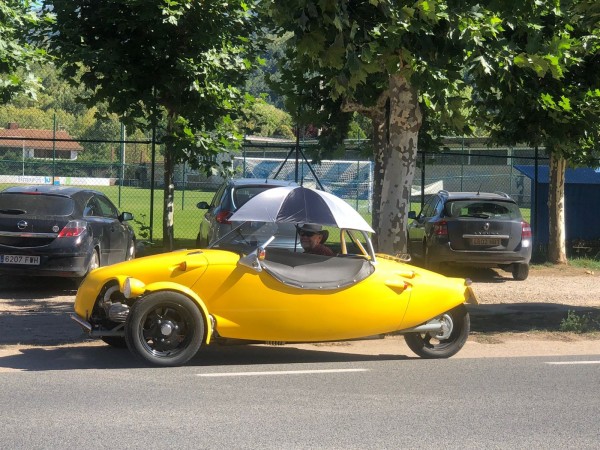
[[12, 211]]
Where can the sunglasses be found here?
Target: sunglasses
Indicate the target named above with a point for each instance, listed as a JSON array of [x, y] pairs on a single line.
[[306, 233]]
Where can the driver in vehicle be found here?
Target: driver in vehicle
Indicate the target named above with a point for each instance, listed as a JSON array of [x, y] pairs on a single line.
[[312, 239]]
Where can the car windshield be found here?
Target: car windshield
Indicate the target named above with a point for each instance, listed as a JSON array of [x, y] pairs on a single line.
[[249, 235], [35, 204], [482, 209]]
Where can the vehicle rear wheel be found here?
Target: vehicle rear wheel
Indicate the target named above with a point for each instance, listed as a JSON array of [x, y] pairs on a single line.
[[131, 251], [430, 263], [115, 341], [165, 329], [444, 343], [201, 243], [93, 264], [520, 272]]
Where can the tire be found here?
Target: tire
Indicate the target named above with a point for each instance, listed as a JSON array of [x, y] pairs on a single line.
[[432, 346], [201, 243], [520, 272], [130, 251], [115, 341], [430, 264], [165, 329], [93, 264]]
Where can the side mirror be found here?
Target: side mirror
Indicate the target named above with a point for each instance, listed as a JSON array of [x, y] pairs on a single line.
[[202, 205], [125, 216], [412, 215]]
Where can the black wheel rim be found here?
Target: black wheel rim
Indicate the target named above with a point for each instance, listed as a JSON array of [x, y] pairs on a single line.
[[166, 330]]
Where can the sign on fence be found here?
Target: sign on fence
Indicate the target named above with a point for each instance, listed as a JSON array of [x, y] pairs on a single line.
[[59, 181]]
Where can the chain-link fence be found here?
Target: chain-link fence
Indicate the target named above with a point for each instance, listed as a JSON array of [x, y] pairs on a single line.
[[130, 171]]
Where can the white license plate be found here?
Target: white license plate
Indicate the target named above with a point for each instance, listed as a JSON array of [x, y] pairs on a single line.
[[20, 259], [485, 241]]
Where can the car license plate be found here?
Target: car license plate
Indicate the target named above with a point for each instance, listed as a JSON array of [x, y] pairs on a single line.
[[485, 241], [20, 259]]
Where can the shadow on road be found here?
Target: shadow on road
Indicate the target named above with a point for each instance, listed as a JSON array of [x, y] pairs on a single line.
[[106, 357], [36, 288]]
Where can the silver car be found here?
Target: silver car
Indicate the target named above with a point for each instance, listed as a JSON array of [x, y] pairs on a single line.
[[230, 196]]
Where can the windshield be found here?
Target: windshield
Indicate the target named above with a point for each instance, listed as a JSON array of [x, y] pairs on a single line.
[[249, 235], [482, 209], [35, 204]]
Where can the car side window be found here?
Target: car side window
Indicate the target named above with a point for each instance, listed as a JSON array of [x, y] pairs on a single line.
[[91, 208], [217, 197], [106, 208], [427, 210], [438, 208]]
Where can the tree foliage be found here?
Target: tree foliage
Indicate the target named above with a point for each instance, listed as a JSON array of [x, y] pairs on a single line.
[[541, 86], [177, 64], [18, 22], [401, 65]]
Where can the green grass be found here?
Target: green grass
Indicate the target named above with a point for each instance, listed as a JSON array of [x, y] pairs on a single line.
[[585, 263]]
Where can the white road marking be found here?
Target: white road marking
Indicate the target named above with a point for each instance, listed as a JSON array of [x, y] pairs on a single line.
[[562, 363], [280, 372]]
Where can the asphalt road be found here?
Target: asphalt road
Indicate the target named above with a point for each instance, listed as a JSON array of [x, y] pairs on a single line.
[[279, 397]]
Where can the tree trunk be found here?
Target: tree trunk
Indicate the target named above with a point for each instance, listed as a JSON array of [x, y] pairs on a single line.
[[556, 210], [400, 158], [168, 194], [379, 143]]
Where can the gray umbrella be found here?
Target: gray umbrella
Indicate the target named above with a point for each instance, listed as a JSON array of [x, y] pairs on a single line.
[[297, 204]]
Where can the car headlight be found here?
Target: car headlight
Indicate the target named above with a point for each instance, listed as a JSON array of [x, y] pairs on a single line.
[[133, 287]]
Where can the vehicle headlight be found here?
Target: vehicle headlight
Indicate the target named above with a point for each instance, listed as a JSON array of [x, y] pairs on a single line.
[[133, 287]]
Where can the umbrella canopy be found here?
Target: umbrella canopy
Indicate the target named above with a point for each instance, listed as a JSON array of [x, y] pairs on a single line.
[[297, 204]]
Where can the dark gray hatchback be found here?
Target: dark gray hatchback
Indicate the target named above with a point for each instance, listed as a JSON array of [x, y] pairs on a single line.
[[473, 229], [61, 231]]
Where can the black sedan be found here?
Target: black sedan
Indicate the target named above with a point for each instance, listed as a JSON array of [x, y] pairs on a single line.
[[61, 231]]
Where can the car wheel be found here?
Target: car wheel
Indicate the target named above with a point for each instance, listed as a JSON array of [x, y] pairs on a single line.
[[165, 329], [200, 242], [115, 341], [520, 271], [445, 343], [93, 264], [131, 250], [430, 263], [94, 261]]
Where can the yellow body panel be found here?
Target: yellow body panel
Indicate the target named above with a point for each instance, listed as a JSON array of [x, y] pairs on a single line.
[[253, 305]]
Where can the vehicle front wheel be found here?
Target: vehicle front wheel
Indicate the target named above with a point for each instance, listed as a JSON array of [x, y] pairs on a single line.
[[520, 272], [444, 343], [165, 329]]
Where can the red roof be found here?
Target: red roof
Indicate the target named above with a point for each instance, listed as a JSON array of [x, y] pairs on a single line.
[[38, 139]]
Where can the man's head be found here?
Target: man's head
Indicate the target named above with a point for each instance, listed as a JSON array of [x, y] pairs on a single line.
[[311, 235]]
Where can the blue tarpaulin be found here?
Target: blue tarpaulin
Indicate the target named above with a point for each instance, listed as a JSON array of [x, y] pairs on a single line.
[[582, 202]]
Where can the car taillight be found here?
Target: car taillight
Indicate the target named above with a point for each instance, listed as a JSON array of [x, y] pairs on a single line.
[[440, 228], [525, 234], [73, 229], [222, 216], [525, 230]]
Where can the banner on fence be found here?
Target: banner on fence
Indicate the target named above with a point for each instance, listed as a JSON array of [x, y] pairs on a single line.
[[58, 181]]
